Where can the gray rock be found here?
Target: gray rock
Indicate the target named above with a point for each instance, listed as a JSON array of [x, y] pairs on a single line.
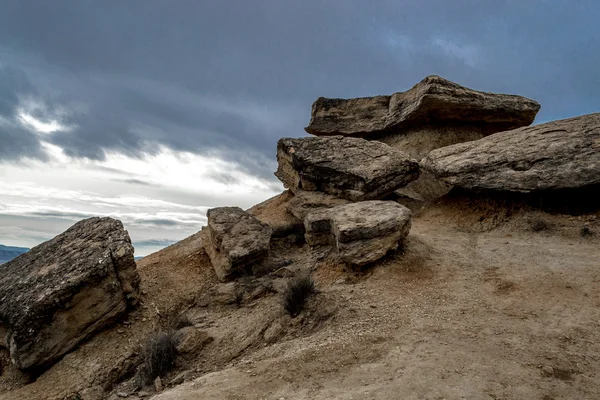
[[305, 202], [235, 240], [350, 168], [64, 290], [361, 233], [562, 154], [433, 101]]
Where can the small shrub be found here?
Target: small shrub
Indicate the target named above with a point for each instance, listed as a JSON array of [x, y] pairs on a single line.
[[159, 356], [538, 225], [238, 294], [297, 292], [586, 231]]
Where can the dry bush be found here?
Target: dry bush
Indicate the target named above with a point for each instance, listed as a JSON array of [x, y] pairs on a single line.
[[159, 356], [297, 292]]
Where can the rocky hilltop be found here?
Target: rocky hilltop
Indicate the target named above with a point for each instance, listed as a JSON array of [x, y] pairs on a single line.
[[429, 244]]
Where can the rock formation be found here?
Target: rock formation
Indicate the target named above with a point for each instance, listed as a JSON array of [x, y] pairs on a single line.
[[562, 154], [360, 233], [351, 168], [434, 113], [62, 291], [432, 101], [275, 212], [235, 240]]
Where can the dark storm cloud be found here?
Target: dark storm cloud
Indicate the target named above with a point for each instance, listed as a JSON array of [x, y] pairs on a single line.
[[230, 78]]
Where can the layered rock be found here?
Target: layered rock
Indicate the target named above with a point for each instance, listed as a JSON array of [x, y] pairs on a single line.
[[562, 154], [432, 101], [350, 168], [235, 240], [360, 233], [434, 113], [62, 291]]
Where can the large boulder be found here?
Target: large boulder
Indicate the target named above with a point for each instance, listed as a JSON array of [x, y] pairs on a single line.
[[351, 168], [64, 290], [235, 240], [562, 154], [432, 101], [360, 233]]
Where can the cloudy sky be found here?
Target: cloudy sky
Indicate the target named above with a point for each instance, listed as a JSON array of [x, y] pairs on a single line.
[[153, 111]]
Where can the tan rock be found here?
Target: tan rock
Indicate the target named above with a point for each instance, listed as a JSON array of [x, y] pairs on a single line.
[[62, 291], [350, 168], [305, 202], [360, 233], [235, 240], [433, 101], [562, 154]]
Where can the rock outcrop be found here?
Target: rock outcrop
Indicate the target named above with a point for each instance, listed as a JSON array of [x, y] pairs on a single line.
[[62, 291], [434, 113], [562, 154], [360, 233], [235, 240], [434, 100], [351, 168]]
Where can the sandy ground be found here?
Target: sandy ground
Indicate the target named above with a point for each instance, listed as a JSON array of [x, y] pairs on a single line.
[[503, 314], [476, 306]]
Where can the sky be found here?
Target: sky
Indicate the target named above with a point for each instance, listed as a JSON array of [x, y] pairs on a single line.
[[154, 111]]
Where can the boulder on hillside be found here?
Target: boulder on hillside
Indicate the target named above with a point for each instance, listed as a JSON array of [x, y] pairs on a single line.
[[360, 233], [562, 154], [304, 202], [432, 101], [64, 290], [235, 240], [350, 168]]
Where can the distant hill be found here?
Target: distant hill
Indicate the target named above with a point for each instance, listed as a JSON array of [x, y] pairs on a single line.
[[7, 253]]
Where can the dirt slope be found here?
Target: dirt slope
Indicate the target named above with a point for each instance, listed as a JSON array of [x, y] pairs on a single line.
[[485, 302]]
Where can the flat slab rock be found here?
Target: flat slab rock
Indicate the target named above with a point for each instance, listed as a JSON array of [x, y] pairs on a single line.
[[360, 233], [562, 154], [350, 168], [235, 240], [65, 289], [434, 100]]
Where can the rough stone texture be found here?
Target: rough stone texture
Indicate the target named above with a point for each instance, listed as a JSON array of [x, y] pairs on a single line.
[[361, 232], [432, 101], [274, 212], [562, 154], [62, 291], [305, 202], [235, 240], [351, 168]]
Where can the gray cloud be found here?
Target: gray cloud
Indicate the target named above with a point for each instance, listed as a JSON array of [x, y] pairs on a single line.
[[230, 78], [155, 242]]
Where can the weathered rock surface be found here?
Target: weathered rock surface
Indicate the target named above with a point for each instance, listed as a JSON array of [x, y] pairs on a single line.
[[434, 100], [562, 154], [350, 168], [361, 233], [235, 240], [305, 202], [62, 291]]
